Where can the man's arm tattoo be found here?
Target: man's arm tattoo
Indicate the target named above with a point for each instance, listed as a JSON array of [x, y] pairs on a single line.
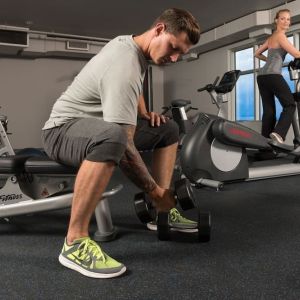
[[133, 166]]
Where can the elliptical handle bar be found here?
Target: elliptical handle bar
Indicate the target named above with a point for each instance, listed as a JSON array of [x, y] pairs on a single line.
[[209, 87], [165, 109], [294, 64]]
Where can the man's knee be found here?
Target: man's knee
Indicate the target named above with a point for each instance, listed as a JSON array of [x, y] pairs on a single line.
[[170, 132], [111, 148]]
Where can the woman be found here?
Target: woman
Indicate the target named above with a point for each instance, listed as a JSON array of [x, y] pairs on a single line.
[[271, 83]]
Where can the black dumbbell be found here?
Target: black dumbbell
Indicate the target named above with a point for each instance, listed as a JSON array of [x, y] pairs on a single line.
[[144, 208], [183, 194], [203, 225]]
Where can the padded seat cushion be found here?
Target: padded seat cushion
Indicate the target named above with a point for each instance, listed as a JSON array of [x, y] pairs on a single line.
[[45, 165], [13, 164], [180, 102]]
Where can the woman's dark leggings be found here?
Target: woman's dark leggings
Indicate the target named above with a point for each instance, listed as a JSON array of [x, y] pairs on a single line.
[[272, 85]]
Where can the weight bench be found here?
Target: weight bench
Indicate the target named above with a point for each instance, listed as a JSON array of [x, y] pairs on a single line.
[[33, 184]]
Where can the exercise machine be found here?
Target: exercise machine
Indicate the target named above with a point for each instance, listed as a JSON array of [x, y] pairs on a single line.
[[214, 151], [180, 108], [31, 182]]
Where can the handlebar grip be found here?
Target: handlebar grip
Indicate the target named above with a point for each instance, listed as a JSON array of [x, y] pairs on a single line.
[[209, 87], [191, 108], [210, 183], [294, 64], [216, 80], [201, 89], [165, 109]]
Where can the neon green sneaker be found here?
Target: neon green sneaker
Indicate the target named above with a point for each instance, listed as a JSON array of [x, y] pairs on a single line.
[[177, 223], [86, 257]]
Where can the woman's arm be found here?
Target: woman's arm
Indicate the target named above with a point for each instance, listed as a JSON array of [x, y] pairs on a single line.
[[287, 46], [258, 53]]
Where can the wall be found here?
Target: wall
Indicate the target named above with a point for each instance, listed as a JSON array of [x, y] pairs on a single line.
[[29, 88], [157, 88], [184, 78]]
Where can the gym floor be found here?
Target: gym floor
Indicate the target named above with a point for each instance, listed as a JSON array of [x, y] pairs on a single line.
[[253, 252]]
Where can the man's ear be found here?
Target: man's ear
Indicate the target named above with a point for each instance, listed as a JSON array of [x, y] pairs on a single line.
[[159, 28]]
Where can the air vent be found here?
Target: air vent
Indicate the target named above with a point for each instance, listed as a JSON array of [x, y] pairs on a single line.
[[13, 36], [77, 45], [13, 39]]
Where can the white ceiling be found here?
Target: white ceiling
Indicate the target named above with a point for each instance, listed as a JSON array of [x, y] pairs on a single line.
[[109, 18]]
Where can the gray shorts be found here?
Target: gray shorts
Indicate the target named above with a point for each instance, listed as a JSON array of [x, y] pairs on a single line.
[[97, 140]]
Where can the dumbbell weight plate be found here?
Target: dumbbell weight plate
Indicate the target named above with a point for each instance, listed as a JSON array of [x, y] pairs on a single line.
[[204, 227], [143, 208], [185, 194], [163, 228]]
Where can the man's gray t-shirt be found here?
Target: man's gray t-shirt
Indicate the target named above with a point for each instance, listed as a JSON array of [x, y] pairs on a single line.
[[107, 87]]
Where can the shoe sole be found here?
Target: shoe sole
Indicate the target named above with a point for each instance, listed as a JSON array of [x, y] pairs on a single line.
[[69, 264], [274, 137], [187, 230]]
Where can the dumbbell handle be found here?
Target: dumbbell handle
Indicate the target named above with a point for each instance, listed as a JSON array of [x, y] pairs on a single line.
[[210, 183]]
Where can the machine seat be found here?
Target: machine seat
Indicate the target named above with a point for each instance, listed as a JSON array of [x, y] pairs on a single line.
[[180, 102], [45, 165], [12, 164]]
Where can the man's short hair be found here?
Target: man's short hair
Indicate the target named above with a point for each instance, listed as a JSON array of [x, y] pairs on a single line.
[[178, 20]]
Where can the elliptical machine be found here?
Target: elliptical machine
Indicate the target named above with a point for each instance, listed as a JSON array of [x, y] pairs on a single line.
[[215, 149], [179, 108]]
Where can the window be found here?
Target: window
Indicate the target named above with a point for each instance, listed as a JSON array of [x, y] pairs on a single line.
[[248, 103], [245, 104]]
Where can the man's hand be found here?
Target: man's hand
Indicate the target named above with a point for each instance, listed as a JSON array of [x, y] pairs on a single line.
[[163, 199], [154, 118]]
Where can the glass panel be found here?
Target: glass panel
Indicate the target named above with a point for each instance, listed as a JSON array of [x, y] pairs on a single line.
[[245, 98], [244, 59], [278, 108], [286, 76]]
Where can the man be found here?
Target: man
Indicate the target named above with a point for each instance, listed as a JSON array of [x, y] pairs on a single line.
[[94, 125]]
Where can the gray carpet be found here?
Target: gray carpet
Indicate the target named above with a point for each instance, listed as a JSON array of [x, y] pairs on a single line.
[[253, 252]]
